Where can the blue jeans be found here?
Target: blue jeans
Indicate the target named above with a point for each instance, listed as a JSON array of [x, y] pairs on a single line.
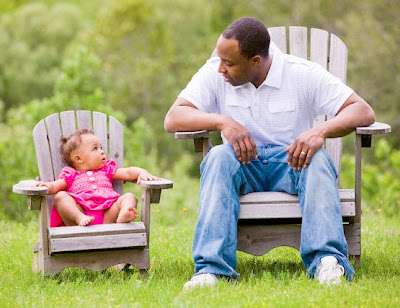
[[224, 178]]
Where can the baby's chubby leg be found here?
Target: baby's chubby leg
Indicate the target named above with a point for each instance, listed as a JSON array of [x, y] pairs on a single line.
[[123, 210], [71, 212]]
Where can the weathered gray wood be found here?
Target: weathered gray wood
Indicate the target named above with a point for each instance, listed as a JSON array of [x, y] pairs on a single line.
[[54, 135], [68, 122], [42, 152], [272, 205], [116, 135], [259, 239], [338, 58], [298, 42], [84, 119], [278, 36], [26, 187], [160, 184], [96, 260], [90, 242], [145, 213], [100, 129], [191, 135], [274, 197], [319, 40], [95, 230], [374, 129], [286, 210]]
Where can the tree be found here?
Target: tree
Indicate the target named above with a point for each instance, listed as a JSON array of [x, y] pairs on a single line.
[[37, 40]]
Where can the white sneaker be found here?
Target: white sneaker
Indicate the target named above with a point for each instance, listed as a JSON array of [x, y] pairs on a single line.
[[201, 281], [329, 271]]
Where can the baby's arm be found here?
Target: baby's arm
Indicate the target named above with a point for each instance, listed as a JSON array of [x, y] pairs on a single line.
[[54, 187], [134, 174]]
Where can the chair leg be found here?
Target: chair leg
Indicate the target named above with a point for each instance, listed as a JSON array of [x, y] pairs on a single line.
[[35, 264], [357, 261]]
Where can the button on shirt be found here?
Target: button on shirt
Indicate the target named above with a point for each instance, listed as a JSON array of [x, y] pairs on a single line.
[[294, 93]]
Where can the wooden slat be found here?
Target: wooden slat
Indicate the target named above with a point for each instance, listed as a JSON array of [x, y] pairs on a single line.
[[42, 152], [338, 58], [270, 205], [274, 197], [259, 239], [298, 41], [94, 230], [84, 119], [100, 129], [68, 122], [286, 210], [116, 153], [54, 134], [334, 148], [278, 36], [319, 40], [98, 242]]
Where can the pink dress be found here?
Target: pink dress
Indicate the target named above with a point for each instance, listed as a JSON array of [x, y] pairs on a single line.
[[91, 189]]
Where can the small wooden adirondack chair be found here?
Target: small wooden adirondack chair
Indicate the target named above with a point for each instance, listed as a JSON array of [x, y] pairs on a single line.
[[94, 247], [271, 219]]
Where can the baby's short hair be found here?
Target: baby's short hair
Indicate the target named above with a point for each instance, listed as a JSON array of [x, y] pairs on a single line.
[[71, 143]]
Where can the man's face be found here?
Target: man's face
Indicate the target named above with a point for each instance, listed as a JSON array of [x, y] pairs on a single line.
[[235, 68]]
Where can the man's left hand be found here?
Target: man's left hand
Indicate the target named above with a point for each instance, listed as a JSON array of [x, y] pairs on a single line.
[[304, 147]]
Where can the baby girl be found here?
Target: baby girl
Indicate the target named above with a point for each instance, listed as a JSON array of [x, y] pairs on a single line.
[[83, 191]]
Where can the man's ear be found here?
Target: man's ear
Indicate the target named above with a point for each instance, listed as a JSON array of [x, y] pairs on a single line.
[[256, 59]]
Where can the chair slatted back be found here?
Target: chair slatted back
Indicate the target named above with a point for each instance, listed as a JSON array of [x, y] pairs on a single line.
[[330, 54], [47, 134]]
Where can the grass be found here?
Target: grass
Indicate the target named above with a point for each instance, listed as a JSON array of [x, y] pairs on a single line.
[[277, 279]]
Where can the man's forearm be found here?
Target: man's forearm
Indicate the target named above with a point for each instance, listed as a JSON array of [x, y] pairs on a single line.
[[185, 118], [354, 115]]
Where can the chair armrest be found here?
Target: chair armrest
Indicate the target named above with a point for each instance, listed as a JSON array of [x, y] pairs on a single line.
[[160, 184], [153, 189], [26, 188], [201, 138], [374, 129], [192, 135], [34, 194]]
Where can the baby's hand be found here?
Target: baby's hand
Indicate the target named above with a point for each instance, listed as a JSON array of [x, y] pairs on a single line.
[[40, 184], [145, 176]]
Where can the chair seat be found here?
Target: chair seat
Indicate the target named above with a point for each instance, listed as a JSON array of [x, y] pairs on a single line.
[[270, 205], [96, 237]]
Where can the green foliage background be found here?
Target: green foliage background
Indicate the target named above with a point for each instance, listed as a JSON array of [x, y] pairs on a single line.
[[131, 58]]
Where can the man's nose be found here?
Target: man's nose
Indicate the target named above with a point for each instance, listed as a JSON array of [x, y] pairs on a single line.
[[221, 68]]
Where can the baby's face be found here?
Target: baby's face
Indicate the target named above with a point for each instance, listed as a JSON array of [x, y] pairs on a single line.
[[91, 153]]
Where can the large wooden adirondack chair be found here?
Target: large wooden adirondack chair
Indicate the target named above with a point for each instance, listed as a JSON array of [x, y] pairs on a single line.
[[94, 247], [271, 219]]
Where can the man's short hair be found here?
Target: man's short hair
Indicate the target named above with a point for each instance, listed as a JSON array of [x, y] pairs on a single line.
[[252, 35]]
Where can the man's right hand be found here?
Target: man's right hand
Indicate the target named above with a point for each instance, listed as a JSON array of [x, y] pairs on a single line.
[[241, 140]]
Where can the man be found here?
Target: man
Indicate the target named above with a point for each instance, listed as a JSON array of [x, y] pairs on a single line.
[[264, 102]]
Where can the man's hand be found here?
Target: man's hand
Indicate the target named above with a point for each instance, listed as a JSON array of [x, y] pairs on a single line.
[[241, 140], [304, 147]]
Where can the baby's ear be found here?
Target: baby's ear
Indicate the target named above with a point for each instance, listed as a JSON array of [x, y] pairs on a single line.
[[76, 159]]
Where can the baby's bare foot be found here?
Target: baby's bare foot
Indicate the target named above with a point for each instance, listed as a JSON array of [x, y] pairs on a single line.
[[127, 214], [84, 220]]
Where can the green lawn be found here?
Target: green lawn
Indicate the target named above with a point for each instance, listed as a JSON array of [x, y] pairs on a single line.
[[277, 279]]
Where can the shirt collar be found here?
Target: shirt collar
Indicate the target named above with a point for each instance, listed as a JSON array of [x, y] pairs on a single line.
[[274, 77]]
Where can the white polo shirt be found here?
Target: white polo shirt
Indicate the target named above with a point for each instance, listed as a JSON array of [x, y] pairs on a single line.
[[294, 93]]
